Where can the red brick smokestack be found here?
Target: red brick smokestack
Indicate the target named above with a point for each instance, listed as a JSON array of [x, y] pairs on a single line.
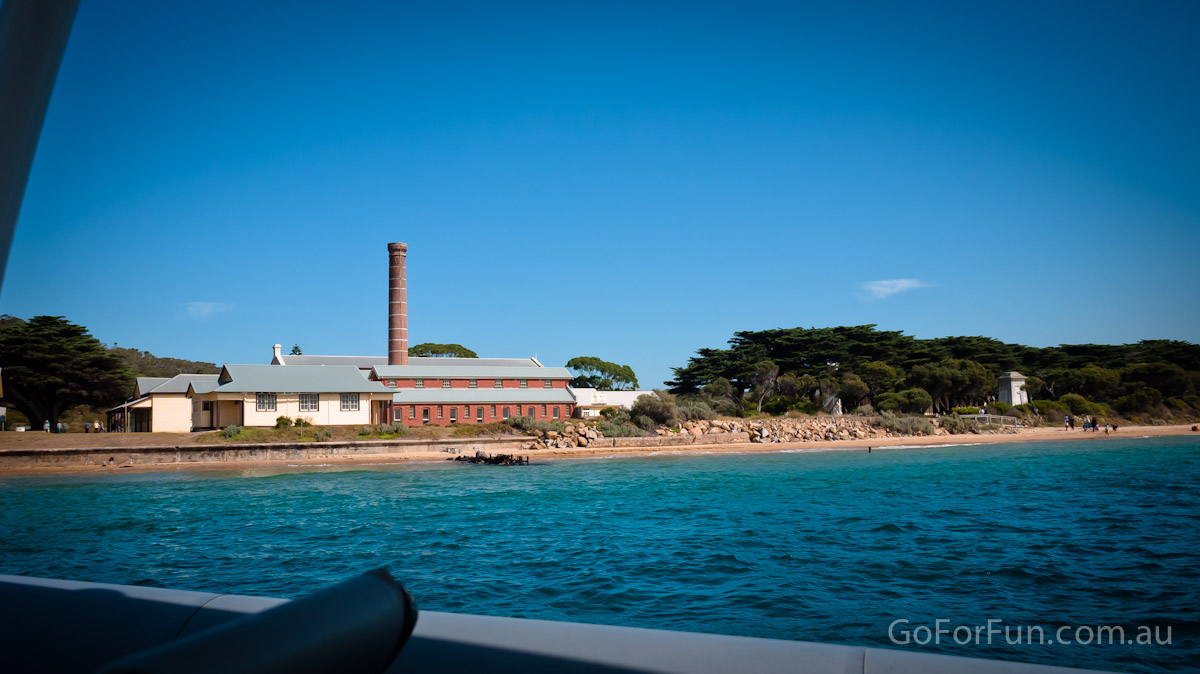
[[397, 305]]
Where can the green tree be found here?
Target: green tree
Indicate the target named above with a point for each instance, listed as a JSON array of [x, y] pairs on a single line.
[[441, 351], [51, 365], [763, 383], [296, 350], [952, 382], [878, 377], [915, 401], [591, 372], [852, 391]]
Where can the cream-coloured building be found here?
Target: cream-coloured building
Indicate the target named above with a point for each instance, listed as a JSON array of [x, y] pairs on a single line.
[[1012, 388], [159, 405], [256, 395], [589, 401]]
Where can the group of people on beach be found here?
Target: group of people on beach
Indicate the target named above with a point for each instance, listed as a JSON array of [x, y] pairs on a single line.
[[1089, 423], [88, 427]]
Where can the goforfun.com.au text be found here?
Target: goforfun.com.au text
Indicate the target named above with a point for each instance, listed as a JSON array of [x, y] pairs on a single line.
[[903, 631]]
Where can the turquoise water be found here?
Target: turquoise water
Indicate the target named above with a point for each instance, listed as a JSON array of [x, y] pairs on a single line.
[[816, 546]]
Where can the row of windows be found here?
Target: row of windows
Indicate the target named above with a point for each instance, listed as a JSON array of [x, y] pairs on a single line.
[[309, 402], [453, 410], [474, 383]]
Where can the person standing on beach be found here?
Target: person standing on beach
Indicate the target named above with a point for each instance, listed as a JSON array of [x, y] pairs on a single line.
[[46, 426], [87, 427], [1066, 422]]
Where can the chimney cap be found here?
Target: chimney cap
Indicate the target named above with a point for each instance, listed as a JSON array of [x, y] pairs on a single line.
[[401, 247]]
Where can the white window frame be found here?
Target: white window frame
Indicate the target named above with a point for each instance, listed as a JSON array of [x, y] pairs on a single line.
[[473, 384], [445, 383], [418, 383], [524, 383], [349, 402], [546, 383], [264, 402], [497, 383], [310, 402]]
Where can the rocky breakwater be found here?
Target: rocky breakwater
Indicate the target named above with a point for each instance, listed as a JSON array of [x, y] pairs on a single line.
[[804, 429], [574, 435]]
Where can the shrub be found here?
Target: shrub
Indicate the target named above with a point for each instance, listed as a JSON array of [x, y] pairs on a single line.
[[302, 422], [915, 401], [644, 422], [1078, 404], [619, 430], [1178, 405], [696, 410], [231, 431], [660, 407], [323, 434], [609, 412], [283, 422], [865, 410], [391, 429], [366, 430], [528, 424], [1142, 400], [956, 425], [904, 425], [1000, 408], [965, 410], [888, 402], [808, 407]]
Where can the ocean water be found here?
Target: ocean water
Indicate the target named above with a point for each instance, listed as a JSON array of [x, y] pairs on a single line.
[[814, 546]]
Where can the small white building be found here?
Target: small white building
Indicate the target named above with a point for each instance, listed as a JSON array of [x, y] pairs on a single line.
[[1012, 388], [589, 401]]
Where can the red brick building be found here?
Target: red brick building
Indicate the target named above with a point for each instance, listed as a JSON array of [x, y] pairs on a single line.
[[446, 391]]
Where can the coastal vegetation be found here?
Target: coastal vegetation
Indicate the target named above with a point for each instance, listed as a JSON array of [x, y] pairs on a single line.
[[52, 365], [802, 369], [441, 351], [592, 372]]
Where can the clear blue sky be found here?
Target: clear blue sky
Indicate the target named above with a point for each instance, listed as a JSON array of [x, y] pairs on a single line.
[[632, 181]]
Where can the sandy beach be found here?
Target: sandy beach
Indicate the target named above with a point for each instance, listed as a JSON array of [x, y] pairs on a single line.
[[419, 455]]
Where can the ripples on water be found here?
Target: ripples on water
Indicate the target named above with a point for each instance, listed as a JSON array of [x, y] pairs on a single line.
[[829, 546]]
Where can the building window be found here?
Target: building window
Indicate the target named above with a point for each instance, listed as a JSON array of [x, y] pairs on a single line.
[[505, 412], [445, 383], [349, 402], [206, 406], [499, 383], [412, 411], [439, 411], [472, 384], [556, 411], [479, 414], [453, 415], [493, 411], [543, 411], [425, 415], [524, 383], [532, 412], [264, 402], [419, 383], [310, 402], [546, 383]]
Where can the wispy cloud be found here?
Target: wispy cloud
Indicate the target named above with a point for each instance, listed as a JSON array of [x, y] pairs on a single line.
[[878, 290], [202, 310]]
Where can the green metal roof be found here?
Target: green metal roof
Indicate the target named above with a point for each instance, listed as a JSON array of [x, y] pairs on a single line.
[[480, 396], [468, 372], [293, 379]]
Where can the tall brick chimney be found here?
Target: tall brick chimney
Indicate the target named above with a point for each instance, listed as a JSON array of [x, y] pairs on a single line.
[[397, 305]]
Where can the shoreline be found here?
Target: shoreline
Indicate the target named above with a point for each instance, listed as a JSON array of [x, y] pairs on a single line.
[[436, 456]]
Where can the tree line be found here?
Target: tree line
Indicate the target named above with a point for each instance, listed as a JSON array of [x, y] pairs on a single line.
[[801, 368]]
